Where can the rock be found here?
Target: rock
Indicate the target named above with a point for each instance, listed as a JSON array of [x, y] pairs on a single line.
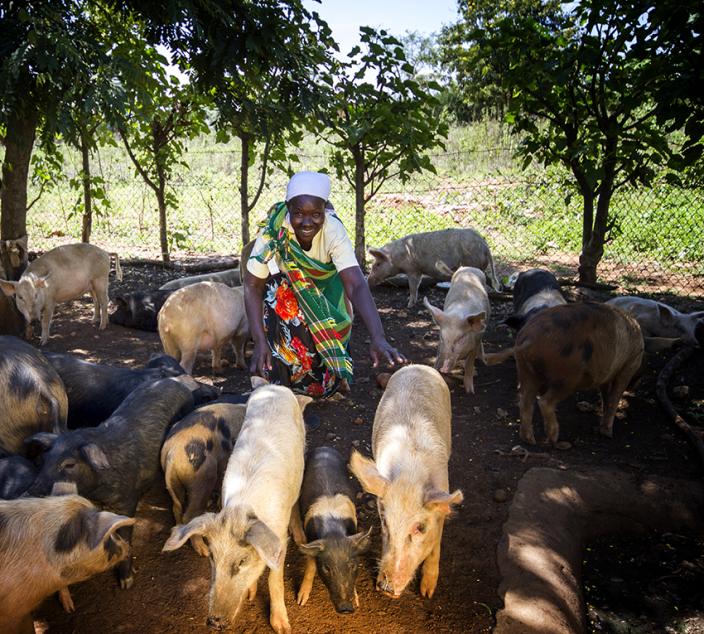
[[329, 436], [356, 443], [371, 504], [382, 379], [680, 391], [477, 409], [358, 421], [500, 495], [359, 495], [501, 413], [585, 406], [563, 445]]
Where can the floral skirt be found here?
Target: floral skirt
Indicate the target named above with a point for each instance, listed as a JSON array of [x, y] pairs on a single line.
[[295, 361]]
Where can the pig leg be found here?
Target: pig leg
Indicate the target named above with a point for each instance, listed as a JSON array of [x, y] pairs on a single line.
[[469, 372], [252, 592], [526, 403], [47, 315], [296, 526], [547, 404], [238, 346], [188, 359], [279, 616], [217, 358], [431, 568], [125, 570], [611, 395], [96, 311], [99, 290], [66, 600], [307, 583], [198, 496], [413, 284]]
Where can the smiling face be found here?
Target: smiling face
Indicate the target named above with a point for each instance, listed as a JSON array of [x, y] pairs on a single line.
[[307, 215]]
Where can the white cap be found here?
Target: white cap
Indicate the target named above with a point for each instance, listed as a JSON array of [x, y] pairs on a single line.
[[308, 184]]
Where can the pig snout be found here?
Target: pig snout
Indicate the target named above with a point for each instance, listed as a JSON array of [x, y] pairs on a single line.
[[344, 607], [384, 585], [216, 622]]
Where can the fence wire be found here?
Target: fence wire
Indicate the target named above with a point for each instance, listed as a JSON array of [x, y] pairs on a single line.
[[655, 246]]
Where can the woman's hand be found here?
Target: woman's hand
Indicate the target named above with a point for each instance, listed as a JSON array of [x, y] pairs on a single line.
[[260, 363], [382, 350]]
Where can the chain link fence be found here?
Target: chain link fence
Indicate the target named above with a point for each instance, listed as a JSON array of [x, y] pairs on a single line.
[[528, 219]]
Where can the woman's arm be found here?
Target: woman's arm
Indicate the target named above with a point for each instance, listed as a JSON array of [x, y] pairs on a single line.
[[254, 306], [357, 290]]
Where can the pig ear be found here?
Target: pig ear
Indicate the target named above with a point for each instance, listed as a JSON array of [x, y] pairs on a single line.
[[303, 400], [477, 323], [258, 381], [8, 287], [379, 254], [364, 469], [360, 541], [442, 268], [40, 282], [183, 532], [95, 456], [437, 314], [38, 443], [186, 380], [106, 525], [442, 502], [64, 488], [665, 315], [312, 549], [266, 543]]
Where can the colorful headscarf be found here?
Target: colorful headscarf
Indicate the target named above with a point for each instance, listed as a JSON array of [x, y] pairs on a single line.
[[318, 289]]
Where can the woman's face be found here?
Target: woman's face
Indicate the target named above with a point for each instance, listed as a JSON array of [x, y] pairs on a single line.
[[307, 215]]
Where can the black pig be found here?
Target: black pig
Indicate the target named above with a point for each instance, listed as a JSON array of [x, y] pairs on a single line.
[[139, 309], [115, 463], [330, 525], [16, 475]]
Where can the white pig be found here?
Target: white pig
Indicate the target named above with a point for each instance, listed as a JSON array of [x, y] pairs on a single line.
[[411, 444], [259, 491], [60, 275], [204, 316], [48, 543], [660, 320], [462, 323]]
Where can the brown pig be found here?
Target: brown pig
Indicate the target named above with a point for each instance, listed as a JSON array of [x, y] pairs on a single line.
[[60, 275], [48, 543], [204, 316], [194, 457], [575, 347], [259, 491], [411, 443], [462, 323]]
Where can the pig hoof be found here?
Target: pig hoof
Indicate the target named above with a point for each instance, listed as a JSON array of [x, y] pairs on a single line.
[[427, 586], [200, 547], [303, 595], [527, 438], [280, 624], [127, 582], [66, 600], [252, 592]]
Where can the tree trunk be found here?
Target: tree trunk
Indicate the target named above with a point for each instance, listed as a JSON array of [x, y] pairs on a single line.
[[19, 141], [87, 195], [161, 199], [244, 185], [359, 241]]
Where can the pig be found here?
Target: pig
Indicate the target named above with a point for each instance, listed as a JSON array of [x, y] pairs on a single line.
[[48, 543], [229, 277], [204, 316], [96, 390], [330, 525], [259, 492], [11, 320], [535, 290], [139, 309], [32, 398], [194, 457], [62, 274], [421, 253], [660, 320], [411, 444], [115, 463], [462, 323], [574, 347], [16, 475]]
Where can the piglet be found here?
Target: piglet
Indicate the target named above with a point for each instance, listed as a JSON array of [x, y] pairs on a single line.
[[139, 309], [194, 457], [259, 490], [48, 543], [534, 290], [115, 463], [462, 323], [411, 443], [330, 525]]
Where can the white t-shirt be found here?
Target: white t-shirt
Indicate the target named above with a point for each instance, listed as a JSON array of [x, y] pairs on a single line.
[[330, 244]]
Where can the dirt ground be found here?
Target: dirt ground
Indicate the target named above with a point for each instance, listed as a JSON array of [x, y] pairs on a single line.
[[170, 590]]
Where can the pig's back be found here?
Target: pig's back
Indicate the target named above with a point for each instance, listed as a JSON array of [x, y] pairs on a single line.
[[203, 306], [415, 411], [325, 475], [71, 257], [468, 290]]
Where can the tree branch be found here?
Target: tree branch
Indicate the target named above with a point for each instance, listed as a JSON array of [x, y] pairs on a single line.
[[262, 178], [140, 169]]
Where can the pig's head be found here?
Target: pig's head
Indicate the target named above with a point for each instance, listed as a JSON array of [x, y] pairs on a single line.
[[121, 315], [412, 516], [382, 267], [459, 335], [68, 457], [693, 329], [337, 558], [167, 364], [29, 293], [241, 547]]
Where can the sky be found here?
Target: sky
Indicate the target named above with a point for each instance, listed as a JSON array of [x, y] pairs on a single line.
[[396, 16]]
